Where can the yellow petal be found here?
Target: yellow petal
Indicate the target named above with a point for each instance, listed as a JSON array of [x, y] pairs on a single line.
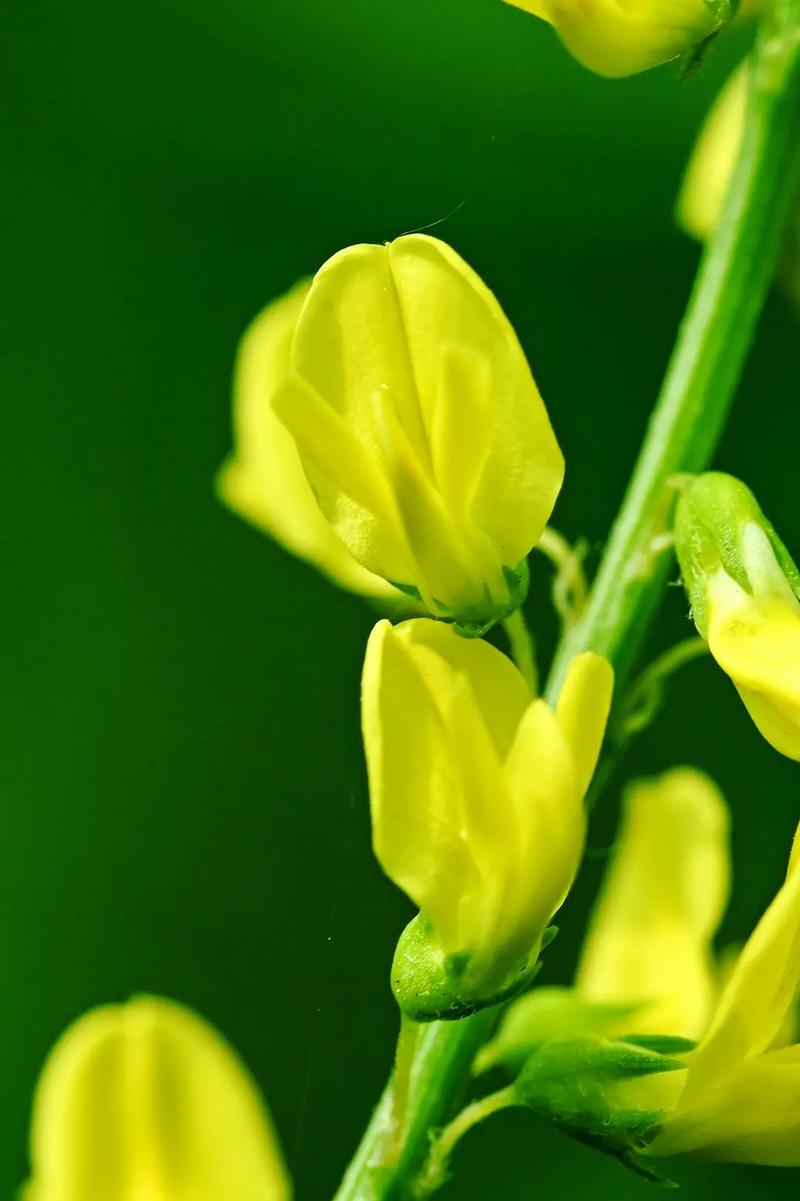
[[757, 997], [582, 711], [621, 37], [263, 479], [713, 158], [146, 1100], [498, 688], [475, 809], [649, 941], [752, 1117], [415, 358], [756, 641], [541, 777], [413, 783]]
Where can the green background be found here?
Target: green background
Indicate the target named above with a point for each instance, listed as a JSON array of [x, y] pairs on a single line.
[[184, 805]]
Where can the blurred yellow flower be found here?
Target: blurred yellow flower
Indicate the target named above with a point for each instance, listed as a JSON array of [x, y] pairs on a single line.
[[263, 479], [744, 587], [419, 426], [621, 37], [146, 1101], [649, 941], [741, 1099], [476, 788], [711, 165], [646, 965]]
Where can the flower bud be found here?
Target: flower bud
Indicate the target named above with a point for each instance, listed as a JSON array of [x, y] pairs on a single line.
[[420, 428], [476, 792], [744, 589], [713, 158], [146, 1100], [616, 39], [263, 479]]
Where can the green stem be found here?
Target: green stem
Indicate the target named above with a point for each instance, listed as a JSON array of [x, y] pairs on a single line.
[[706, 364], [686, 424], [523, 651]]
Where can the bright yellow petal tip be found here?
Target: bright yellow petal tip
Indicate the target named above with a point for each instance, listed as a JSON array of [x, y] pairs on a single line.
[[146, 1100], [263, 479], [621, 37]]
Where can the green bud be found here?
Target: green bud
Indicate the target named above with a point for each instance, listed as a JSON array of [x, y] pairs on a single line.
[[573, 1084], [430, 986], [712, 519]]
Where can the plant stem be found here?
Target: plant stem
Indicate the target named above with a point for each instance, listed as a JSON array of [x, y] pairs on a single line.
[[523, 651], [685, 426], [704, 370]]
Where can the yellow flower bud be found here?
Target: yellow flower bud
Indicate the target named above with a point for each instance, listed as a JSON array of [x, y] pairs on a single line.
[[476, 791], [146, 1101], [263, 479], [649, 941], [744, 591], [741, 1099], [711, 165], [646, 965], [621, 37], [419, 426]]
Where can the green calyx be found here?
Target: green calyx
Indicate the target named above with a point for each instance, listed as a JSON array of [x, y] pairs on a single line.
[[711, 517], [476, 620], [430, 986], [573, 1084]]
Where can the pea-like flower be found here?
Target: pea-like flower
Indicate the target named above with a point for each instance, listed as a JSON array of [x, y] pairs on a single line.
[[647, 964], [263, 479], [744, 588], [146, 1100], [622, 37], [476, 792], [419, 426], [741, 1098]]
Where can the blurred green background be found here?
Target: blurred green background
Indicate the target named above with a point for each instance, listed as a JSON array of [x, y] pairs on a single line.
[[184, 805]]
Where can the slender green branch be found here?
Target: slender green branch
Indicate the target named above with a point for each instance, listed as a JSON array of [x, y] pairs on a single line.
[[522, 647], [684, 429], [472, 1115], [569, 586], [645, 694]]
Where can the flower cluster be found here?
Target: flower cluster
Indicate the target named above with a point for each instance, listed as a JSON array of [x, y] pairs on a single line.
[[388, 430]]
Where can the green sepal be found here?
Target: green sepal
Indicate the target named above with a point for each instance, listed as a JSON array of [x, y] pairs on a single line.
[[571, 1083], [710, 516], [662, 1044], [430, 986], [478, 619]]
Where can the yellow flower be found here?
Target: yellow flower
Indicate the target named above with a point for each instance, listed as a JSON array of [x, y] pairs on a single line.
[[711, 165], [419, 426], [263, 479], [649, 941], [476, 790], [741, 1099], [646, 965], [621, 37], [146, 1101], [744, 591]]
